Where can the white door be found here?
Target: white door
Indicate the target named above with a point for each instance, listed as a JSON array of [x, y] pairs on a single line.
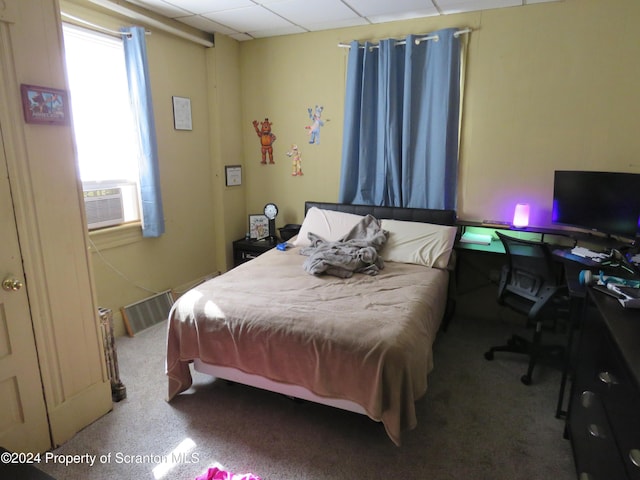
[[23, 417]]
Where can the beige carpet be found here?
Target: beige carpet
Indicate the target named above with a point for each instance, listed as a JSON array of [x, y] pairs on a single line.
[[477, 422]]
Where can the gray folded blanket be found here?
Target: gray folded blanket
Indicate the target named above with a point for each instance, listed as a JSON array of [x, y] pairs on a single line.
[[356, 252]]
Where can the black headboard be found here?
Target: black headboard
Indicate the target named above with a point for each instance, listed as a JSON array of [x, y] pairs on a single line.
[[424, 215]]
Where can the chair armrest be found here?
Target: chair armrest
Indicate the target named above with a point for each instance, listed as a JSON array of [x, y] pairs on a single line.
[[548, 295]]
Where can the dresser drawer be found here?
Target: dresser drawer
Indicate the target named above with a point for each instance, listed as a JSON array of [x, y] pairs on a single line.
[[595, 449], [621, 400]]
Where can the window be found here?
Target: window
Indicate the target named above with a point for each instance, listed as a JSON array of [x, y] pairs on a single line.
[[104, 127]]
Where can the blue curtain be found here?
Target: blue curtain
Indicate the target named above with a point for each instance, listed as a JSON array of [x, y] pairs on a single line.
[[400, 144], [135, 53]]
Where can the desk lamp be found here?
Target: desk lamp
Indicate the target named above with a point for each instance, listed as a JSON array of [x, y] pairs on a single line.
[[521, 215]]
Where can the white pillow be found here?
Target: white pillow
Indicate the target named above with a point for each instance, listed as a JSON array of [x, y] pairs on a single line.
[[329, 224], [420, 243]]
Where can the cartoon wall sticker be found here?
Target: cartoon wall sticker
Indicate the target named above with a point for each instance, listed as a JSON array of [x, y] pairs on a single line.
[[314, 128], [266, 139], [296, 160]]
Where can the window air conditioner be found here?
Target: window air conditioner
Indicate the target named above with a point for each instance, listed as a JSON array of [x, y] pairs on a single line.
[[103, 207]]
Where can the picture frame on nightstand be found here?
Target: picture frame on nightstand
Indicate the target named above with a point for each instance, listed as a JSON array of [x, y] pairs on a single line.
[[258, 227]]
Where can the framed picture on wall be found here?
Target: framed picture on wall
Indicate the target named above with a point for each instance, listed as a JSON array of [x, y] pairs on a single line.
[[258, 227], [182, 113], [233, 175], [45, 105]]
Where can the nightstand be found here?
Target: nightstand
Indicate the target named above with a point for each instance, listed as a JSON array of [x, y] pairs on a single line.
[[245, 250]]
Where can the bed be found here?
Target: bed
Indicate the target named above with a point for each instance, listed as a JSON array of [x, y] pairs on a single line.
[[361, 343]]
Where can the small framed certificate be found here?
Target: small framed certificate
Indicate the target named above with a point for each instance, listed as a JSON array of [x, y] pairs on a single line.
[[182, 113], [233, 175]]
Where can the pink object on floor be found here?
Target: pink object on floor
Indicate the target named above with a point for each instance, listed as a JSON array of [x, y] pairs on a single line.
[[215, 473]]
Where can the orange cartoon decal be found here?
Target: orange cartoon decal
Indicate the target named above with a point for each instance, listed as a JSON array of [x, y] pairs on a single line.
[[266, 139]]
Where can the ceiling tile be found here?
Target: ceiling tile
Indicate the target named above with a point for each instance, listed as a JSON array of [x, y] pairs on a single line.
[[248, 19], [271, 32], [268, 2], [241, 37], [458, 6], [402, 16], [206, 6], [161, 7], [245, 19], [352, 22], [206, 25], [371, 8], [303, 12]]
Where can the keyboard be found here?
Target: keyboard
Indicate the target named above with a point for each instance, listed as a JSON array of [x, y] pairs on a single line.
[[590, 254]]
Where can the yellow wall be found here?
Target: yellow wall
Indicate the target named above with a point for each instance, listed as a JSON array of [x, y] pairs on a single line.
[[548, 86], [281, 78], [127, 267]]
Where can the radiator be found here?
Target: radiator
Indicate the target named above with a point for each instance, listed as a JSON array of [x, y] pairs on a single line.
[[147, 312]]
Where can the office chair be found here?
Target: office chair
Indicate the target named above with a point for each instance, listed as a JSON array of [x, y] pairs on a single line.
[[531, 284]]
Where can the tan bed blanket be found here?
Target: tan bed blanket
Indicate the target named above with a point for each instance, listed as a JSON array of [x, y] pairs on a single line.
[[366, 338]]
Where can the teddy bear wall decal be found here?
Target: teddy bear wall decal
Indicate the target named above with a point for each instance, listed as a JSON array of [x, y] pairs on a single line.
[[266, 139]]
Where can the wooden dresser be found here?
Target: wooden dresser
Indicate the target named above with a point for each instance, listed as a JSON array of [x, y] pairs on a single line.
[[603, 419]]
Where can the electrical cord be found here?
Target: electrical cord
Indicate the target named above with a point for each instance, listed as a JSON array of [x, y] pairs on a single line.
[[118, 272]]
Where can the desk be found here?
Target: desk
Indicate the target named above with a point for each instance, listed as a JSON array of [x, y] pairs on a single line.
[[559, 241], [603, 414], [555, 238], [571, 266], [560, 237]]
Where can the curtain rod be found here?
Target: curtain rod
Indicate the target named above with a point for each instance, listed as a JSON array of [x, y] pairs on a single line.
[[417, 40], [98, 28]]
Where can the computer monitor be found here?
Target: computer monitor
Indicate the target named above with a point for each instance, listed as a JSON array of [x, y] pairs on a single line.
[[605, 202]]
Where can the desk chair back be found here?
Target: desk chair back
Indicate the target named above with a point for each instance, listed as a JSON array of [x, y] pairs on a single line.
[[530, 279], [530, 284]]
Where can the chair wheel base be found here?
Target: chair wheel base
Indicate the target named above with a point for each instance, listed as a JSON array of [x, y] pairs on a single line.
[[488, 355], [526, 379]]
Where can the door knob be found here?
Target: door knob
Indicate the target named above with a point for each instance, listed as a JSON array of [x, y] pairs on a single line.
[[11, 284]]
